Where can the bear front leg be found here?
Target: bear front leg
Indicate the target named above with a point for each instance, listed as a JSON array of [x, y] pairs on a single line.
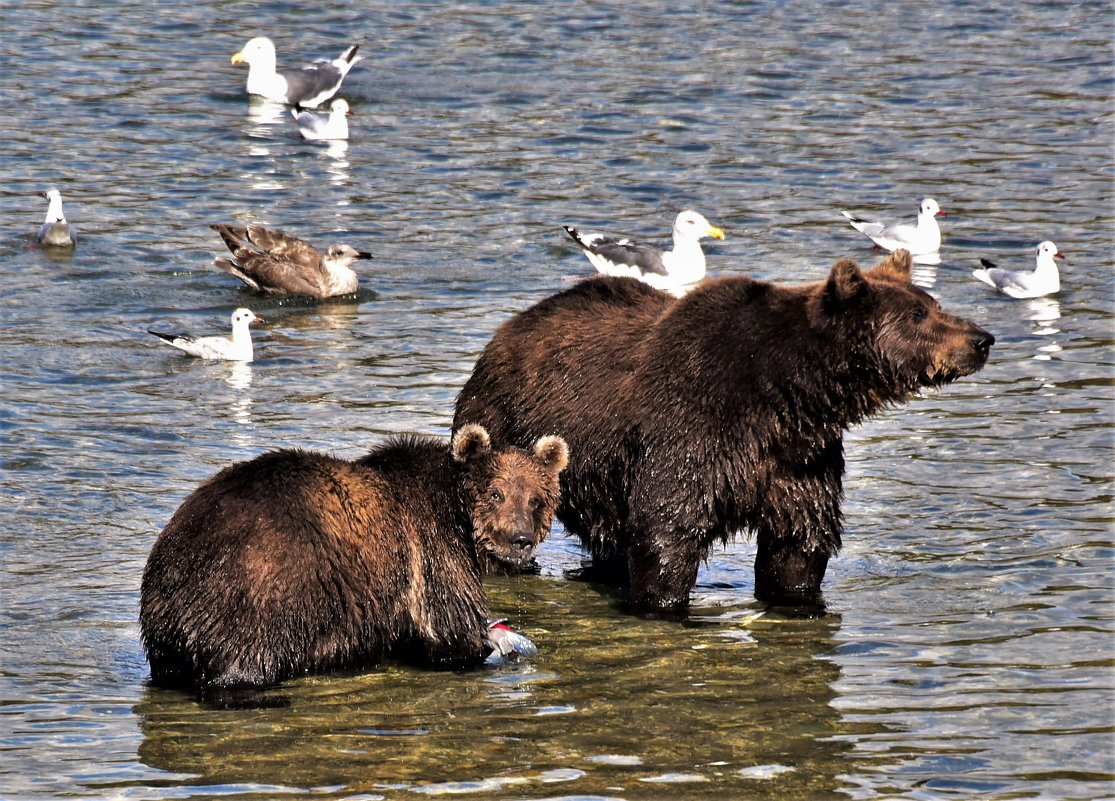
[[788, 572], [663, 570]]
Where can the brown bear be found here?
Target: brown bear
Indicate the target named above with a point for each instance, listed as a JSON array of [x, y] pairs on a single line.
[[692, 419], [296, 562]]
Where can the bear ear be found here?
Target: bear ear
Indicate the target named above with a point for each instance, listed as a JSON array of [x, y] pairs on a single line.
[[898, 265], [845, 282], [553, 452], [469, 442]]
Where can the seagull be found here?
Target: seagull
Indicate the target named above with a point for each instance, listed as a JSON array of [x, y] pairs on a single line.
[[1044, 279], [55, 231], [238, 348], [920, 240], [275, 263], [309, 86], [672, 270], [335, 126]]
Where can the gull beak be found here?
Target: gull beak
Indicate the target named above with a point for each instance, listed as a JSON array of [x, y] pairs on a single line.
[[940, 213], [1059, 255], [238, 57], [362, 254], [715, 233]]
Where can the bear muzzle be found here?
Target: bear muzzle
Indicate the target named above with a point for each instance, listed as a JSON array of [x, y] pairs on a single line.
[[969, 357], [521, 546]]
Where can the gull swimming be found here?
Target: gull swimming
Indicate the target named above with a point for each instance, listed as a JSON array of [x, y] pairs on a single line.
[[673, 270], [55, 231], [1044, 279], [335, 126], [309, 86], [237, 348], [275, 263], [920, 239]]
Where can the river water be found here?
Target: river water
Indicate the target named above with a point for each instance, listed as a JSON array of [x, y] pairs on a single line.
[[968, 649]]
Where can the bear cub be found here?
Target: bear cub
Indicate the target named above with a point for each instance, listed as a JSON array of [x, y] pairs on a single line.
[[296, 562]]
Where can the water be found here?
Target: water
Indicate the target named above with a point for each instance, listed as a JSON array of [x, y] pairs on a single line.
[[968, 648]]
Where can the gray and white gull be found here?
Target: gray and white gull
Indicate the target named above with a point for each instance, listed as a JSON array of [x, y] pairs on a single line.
[[674, 270], [275, 263], [333, 127], [237, 348], [1044, 279], [55, 231], [309, 86], [920, 239]]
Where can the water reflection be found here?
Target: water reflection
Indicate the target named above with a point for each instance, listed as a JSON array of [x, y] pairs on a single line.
[[1045, 312], [400, 728], [339, 166], [263, 113], [240, 377]]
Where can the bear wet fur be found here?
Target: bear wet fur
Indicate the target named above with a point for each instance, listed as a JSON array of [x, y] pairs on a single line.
[[296, 562], [692, 419]]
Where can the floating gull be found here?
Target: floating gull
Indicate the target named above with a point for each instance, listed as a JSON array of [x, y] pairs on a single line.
[[672, 270], [238, 348], [278, 264], [1044, 279], [309, 86], [55, 231], [335, 126], [921, 239]]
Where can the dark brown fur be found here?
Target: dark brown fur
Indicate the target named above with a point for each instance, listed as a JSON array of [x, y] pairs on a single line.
[[298, 562], [692, 419]]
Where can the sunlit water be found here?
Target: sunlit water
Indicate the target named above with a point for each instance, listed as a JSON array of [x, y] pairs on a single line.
[[968, 648]]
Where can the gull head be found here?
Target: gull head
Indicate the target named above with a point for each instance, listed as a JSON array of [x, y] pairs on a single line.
[[693, 225], [929, 208], [344, 254], [244, 317], [258, 50], [1047, 248]]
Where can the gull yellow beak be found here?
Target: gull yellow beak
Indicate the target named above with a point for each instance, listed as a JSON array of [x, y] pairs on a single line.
[[238, 57], [715, 233]]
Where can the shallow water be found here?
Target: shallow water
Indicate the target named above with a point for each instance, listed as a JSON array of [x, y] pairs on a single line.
[[968, 648]]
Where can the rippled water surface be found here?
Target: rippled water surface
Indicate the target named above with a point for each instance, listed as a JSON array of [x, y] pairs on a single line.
[[967, 651]]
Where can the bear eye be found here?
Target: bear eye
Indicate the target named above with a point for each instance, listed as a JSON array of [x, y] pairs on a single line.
[[496, 496], [919, 314], [535, 503]]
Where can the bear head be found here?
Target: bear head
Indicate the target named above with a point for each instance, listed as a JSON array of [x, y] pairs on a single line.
[[913, 341], [512, 494]]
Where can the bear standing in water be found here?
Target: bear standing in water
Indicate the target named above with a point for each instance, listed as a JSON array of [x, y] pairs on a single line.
[[690, 420], [297, 562]]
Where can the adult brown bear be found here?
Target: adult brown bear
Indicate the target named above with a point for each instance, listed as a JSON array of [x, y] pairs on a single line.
[[298, 562], [692, 419]]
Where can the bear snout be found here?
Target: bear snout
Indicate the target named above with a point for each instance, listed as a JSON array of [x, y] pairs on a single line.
[[982, 341], [522, 544]]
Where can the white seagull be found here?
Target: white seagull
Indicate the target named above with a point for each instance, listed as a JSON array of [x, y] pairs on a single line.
[[55, 231], [309, 86], [1044, 279], [673, 270], [920, 240], [335, 126], [237, 348], [275, 263]]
